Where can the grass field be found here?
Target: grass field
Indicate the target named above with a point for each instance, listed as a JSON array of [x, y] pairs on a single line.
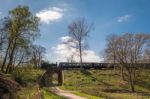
[[106, 84], [93, 84]]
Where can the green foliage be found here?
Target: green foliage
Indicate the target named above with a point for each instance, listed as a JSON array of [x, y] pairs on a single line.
[[21, 27], [22, 23]]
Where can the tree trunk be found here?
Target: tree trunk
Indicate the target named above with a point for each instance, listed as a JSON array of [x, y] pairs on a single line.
[[5, 58], [35, 60], [114, 63], [80, 50], [20, 61], [132, 84], [11, 56], [10, 63], [131, 80], [132, 88], [122, 73]]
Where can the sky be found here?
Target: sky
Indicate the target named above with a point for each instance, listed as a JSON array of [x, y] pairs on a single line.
[[108, 17]]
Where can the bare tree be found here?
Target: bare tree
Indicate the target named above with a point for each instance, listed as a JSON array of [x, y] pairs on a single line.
[[21, 56], [110, 51], [79, 30], [37, 55], [3, 38], [71, 58], [129, 52], [147, 52]]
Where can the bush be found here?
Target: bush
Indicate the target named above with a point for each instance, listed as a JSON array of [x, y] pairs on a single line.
[[27, 76], [18, 76]]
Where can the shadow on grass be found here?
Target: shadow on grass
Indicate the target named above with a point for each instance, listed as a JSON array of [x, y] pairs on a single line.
[[122, 91], [87, 73], [143, 84]]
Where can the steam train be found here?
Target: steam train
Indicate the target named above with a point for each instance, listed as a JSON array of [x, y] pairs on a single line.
[[65, 65], [87, 65]]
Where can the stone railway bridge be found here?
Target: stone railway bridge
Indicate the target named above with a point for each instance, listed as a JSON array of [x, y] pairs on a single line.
[[52, 69]]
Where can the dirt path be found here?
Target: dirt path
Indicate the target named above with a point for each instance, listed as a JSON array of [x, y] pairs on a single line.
[[66, 94], [37, 94]]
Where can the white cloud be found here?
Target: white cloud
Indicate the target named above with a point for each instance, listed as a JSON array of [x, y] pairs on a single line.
[[66, 50], [123, 18], [49, 15], [65, 38]]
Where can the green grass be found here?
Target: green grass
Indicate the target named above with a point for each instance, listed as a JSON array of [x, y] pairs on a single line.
[[106, 83], [49, 95], [26, 93], [94, 84], [86, 95], [29, 93]]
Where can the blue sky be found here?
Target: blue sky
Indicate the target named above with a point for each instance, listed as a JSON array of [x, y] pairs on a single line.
[[108, 16]]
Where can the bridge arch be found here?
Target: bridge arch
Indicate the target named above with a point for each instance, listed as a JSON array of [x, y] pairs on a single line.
[[47, 78]]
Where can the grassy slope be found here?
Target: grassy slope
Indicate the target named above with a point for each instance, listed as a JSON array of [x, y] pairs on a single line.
[[106, 83]]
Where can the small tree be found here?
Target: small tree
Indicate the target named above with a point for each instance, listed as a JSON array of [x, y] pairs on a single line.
[[71, 59], [37, 53], [79, 31], [111, 54]]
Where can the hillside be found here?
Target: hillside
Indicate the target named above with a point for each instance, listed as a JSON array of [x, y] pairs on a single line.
[[106, 83]]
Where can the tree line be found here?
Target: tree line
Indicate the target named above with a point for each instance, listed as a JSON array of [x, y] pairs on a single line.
[[17, 33]]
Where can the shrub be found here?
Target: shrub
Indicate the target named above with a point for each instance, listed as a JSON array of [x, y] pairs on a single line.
[[26, 76]]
